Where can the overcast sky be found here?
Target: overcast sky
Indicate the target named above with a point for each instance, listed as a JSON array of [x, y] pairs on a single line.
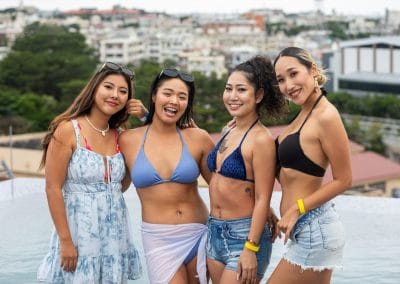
[[365, 7]]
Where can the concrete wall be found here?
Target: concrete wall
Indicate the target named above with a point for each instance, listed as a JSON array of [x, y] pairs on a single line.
[[24, 162]]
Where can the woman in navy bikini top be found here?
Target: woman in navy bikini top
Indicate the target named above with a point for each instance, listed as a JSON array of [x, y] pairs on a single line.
[[243, 167]]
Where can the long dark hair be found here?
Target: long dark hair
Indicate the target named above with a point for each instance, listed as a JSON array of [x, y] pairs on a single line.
[[260, 72], [157, 82], [82, 105]]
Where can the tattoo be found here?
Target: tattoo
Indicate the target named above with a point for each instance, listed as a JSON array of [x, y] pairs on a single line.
[[248, 190], [223, 147]]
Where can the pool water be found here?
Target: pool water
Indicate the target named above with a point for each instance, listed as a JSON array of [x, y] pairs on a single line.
[[372, 251]]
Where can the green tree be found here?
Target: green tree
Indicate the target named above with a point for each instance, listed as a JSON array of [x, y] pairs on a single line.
[[39, 110], [210, 112], [44, 57], [337, 29], [374, 139]]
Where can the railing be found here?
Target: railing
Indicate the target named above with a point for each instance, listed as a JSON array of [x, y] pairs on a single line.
[[5, 171], [389, 127]]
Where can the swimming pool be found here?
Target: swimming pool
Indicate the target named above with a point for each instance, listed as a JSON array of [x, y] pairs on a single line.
[[372, 252]]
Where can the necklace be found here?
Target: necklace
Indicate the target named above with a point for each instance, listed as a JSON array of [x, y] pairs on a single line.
[[102, 131]]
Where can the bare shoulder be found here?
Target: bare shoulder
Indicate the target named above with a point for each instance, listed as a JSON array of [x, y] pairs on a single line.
[[65, 133], [262, 136], [196, 133], [129, 135], [328, 116]]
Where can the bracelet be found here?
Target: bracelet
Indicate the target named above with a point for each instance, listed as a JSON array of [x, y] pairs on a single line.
[[252, 242], [300, 204], [251, 247]]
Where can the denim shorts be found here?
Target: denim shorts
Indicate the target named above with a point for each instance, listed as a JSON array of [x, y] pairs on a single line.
[[225, 243], [317, 240]]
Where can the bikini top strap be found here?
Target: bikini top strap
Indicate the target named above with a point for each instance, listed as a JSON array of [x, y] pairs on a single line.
[[308, 115], [180, 136], [244, 136], [145, 135]]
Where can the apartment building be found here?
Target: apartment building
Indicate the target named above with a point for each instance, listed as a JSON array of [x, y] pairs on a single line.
[[122, 46], [366, 66]]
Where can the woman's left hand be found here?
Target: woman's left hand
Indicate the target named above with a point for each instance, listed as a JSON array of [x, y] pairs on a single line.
[[247, 267], [136, 108], [272, 221]]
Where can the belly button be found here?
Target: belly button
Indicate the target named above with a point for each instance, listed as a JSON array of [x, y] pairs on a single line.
[[178, 212]]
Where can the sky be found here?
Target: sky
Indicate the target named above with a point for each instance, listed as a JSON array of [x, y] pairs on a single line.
[[360, 7]]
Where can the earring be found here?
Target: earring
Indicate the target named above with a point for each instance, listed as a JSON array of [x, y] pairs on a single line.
[[316, 85]]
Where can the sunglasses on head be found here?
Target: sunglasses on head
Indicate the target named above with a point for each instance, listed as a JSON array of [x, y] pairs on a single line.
[[173, 73], [116, 67]]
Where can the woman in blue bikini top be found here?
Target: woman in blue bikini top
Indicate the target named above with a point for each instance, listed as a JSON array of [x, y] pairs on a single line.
[[165, 162]]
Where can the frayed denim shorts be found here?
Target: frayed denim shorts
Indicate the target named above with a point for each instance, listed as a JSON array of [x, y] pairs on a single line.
[[226, 239], [317, 240]]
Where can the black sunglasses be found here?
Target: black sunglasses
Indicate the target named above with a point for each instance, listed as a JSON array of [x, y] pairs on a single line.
[[173, 73], [116, 67]]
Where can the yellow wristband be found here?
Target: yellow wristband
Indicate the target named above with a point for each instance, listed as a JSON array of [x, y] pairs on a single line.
[[300, 204], [251, 247]]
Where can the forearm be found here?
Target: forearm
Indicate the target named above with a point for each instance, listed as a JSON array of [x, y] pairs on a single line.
[[57, 210], [324, 194], [259, 219]]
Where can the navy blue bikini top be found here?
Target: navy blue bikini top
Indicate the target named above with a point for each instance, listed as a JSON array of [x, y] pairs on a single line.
[[289, 153], [143, 174], [233, 166]]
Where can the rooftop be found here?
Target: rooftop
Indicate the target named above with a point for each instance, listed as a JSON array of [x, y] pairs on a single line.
[[381, 40]]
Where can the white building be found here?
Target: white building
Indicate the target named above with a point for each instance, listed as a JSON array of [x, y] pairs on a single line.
[[369, 65], [121, 47], [239, 54], [161, 44], [204, 63]]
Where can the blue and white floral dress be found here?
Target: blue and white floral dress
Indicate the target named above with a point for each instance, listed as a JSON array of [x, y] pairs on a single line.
[[98, 221]]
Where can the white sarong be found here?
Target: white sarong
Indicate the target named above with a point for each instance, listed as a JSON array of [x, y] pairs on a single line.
[[166, 247]]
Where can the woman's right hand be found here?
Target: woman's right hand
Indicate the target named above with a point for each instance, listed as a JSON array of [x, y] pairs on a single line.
[[228, 126], [68, 256]]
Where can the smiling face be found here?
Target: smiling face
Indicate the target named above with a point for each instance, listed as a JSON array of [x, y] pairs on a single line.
[[295, 80], [111, 94], [171, 100], [239, 95]]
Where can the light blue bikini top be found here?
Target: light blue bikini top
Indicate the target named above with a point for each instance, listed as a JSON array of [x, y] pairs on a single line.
[[143, 174]]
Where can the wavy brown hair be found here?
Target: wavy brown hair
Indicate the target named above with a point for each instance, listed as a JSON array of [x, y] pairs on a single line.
[[82, 105], [260, 72]]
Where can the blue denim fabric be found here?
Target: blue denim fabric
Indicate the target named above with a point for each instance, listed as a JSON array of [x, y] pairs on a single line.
[[317, 240], [226, 239]]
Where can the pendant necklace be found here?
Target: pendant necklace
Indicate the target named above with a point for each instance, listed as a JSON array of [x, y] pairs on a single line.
[[102, 131]]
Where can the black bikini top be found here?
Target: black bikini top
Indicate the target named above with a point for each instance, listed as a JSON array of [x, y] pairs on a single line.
[[290, 154]]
